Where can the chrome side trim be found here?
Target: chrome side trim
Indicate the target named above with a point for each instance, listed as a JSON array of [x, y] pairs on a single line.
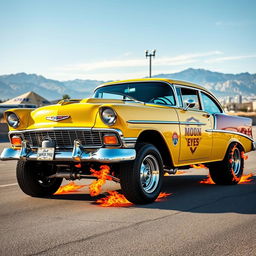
[[163, 122], [231, 132], [151, 122]]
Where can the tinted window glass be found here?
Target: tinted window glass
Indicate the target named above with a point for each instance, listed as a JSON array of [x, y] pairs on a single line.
[[209, 105], [150, 92], [190, 94]]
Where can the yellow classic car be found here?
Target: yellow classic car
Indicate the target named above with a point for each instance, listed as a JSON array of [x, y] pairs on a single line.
[[141, 128]]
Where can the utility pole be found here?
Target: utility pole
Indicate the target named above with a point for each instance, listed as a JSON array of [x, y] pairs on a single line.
[[150, 55]]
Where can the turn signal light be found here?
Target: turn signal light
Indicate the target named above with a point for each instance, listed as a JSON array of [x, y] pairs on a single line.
[[110, 139], [16, 141]]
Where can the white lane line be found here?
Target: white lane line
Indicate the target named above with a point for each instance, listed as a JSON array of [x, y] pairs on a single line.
[[8, 185]]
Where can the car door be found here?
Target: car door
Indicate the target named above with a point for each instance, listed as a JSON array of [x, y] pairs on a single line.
[[196, 142]]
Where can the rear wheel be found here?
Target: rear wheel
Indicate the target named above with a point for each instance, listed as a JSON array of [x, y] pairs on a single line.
[[33, 181], [141, 180], [230, 170]]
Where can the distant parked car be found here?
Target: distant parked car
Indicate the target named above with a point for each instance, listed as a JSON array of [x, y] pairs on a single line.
[[140, 128]]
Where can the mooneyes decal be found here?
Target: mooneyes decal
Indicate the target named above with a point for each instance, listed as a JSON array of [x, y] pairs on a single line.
[[57, 118], [193, 135], [175, 138]]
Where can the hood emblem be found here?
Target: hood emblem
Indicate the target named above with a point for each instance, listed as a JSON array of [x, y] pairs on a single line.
[[57, 118]]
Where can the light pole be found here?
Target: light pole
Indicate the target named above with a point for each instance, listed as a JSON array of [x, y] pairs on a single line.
[[150, 55]]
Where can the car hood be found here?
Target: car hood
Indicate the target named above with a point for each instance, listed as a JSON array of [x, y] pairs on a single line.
[[66, 115]]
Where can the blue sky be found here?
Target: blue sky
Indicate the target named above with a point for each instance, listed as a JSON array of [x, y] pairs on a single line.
[[105, 40]]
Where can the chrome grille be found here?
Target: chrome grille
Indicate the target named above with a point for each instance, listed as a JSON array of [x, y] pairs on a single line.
[[64, 138]]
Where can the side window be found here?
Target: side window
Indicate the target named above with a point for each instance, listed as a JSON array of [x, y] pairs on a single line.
[[190, 94], [209, 105]]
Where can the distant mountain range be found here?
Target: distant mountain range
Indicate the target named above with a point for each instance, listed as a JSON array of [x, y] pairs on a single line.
[[17, 84], [219, 83]]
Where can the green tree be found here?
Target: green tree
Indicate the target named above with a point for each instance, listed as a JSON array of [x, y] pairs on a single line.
[[66, 97]]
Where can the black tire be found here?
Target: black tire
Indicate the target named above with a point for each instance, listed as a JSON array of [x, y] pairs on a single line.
[[32, 179], [141, 180], [230, 170]]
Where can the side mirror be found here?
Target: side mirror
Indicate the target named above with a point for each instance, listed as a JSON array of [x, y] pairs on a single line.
[[189, 104]]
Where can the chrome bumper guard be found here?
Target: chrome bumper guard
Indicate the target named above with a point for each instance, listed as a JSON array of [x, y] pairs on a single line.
[[254, 145], [103, 155]]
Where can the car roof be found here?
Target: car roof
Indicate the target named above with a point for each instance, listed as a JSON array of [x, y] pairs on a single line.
[[192, 85]]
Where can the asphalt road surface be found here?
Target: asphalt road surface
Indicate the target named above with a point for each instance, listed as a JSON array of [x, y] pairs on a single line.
[[197, 219]]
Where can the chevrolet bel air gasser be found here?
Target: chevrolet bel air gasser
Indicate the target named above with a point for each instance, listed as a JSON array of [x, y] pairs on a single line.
[[140, 128]]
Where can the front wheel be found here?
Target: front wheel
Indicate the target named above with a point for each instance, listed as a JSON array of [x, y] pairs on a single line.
[[33, 181], [230, 170], [141, 180]]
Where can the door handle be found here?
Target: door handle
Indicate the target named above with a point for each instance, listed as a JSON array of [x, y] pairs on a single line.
[[206, 115]]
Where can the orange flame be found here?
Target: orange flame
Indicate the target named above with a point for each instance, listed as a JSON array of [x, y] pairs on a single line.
[[180, 172], [71, 187], [232, 153], [114, 199], [162, 195], [244, 156], [102, 175], [198, 166], [177, 173], [208, 180], [246, 179]]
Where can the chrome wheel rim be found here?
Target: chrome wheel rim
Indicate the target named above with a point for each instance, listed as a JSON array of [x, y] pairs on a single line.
[[236, 161], [149, 174]]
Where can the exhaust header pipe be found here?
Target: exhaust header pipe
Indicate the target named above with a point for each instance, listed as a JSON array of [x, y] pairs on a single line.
[[75, 176]]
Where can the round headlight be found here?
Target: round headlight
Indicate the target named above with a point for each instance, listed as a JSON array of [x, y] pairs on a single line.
[[108, 116], [13, 120]]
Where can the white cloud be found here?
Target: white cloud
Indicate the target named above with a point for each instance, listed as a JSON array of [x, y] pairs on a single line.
[[126, 54], [125, 67], [228, 58], [135, 63]]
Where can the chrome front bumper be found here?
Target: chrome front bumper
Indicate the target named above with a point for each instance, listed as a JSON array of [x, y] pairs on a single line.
[[103, 155]]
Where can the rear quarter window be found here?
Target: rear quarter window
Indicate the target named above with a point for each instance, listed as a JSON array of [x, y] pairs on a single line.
[[209, 104]]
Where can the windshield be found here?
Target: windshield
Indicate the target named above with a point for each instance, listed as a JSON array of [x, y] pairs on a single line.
[[149, 92]]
